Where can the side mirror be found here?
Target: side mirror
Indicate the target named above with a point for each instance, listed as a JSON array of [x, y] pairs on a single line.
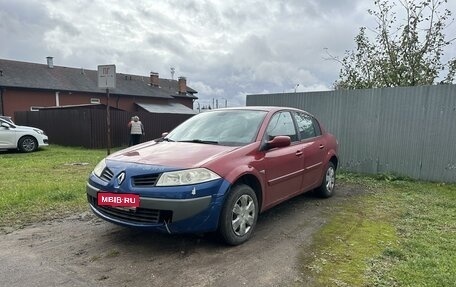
[[278, 141], [5, 125], [162, 138]]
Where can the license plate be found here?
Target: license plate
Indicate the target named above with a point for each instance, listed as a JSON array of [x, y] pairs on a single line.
[[118, 199]]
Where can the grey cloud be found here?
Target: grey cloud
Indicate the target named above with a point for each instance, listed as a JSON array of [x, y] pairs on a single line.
[[318, 9], [227, 48], [19, 18], [173, 43], [67, 28], [23, 23]]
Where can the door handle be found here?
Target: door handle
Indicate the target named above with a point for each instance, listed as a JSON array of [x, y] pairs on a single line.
[[299, 153], [321, 146]]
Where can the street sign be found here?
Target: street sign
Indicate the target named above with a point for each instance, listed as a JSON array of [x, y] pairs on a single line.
[[107, 76], [107, 80]]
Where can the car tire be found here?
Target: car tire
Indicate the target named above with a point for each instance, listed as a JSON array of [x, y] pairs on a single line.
[[27, 144], [239, 215], [327, 186]]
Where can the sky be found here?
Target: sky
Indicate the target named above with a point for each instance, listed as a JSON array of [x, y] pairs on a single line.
[[226, 49]]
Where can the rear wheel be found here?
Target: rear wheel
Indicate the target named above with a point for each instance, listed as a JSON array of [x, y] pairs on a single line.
[[326, 188], [27, 144], [239, 215]]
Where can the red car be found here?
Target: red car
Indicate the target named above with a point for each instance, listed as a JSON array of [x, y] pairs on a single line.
[[217, 171]]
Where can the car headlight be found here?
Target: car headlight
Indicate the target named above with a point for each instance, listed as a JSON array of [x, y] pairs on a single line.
[[185, 177], [39, 131], [98, 170]]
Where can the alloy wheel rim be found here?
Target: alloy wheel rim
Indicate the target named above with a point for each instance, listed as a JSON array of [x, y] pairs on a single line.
[[28, 144], [243, 216], [330, 179]]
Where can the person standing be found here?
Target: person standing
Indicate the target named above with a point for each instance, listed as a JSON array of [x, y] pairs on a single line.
[[136, 130]]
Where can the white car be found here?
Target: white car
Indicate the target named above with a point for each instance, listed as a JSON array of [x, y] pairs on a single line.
[[7, 119], [26, 139]]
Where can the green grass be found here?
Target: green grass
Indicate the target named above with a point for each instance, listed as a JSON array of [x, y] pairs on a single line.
[[401, 233], [43, 185]]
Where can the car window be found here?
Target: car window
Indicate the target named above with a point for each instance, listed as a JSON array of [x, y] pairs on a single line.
[[223, 127], [317, 127], [281, 124], [305, 126]]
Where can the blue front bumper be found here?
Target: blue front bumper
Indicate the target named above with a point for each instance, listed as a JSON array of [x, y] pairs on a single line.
[[179, 209]]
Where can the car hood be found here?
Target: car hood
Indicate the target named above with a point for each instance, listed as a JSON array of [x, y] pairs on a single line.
[[27, 129], [172, 154]]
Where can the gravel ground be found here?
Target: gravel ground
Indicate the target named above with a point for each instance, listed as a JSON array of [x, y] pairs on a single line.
[[83, 250]]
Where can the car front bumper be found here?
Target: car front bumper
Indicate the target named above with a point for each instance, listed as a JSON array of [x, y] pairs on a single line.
[[179, 214], [43, 141]]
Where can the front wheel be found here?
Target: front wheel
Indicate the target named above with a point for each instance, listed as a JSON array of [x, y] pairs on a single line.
[[326, 188], [239, 215], [28, 144]]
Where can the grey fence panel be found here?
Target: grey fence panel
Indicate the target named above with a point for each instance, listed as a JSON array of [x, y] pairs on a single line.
[[406, 130], [399, 131], [439, 136]]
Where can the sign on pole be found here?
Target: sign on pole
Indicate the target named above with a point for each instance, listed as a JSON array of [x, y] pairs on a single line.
[[107, 80], [107, 76]]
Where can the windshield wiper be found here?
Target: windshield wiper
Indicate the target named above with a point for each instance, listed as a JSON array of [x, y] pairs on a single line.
[[199, 141]]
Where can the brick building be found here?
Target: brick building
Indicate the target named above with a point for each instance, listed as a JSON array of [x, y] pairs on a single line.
[[30, 86]]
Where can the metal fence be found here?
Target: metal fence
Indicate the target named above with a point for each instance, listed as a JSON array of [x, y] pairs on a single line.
[[409, 131], [88, 127]]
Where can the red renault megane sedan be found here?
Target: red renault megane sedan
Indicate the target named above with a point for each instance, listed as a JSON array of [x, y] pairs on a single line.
[[217, 171]]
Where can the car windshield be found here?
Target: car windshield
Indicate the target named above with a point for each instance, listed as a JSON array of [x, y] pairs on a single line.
[[6, 120], [223, 127]]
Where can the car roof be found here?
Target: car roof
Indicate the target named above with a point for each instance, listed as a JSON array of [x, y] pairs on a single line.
[[272, 109], [6, 118], [260, 108]]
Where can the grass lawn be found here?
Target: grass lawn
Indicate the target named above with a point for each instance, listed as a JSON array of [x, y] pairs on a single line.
[[43, 185], [402, 233]]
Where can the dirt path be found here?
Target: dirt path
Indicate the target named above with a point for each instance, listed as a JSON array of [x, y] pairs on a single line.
[[83, 250]]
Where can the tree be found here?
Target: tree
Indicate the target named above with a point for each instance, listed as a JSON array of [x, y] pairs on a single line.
[[407, 53]]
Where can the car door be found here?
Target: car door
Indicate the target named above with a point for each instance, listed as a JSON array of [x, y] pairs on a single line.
[[313, 146], [283, 166], [7, 135]]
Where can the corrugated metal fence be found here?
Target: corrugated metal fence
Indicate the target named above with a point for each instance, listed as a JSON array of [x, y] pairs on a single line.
[[87, 127], [409, 131]]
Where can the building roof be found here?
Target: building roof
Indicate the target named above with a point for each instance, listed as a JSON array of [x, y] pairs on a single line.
[[39, 76], [81, 106], [168, 108]]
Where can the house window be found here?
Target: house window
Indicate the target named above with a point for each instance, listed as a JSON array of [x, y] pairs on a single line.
[[94, 100], [35, 108]]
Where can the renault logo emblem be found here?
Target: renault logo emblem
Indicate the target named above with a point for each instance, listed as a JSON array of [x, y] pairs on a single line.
[[120, 178]]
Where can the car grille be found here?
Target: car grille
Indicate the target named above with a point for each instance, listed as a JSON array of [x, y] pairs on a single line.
[[138, 215], [107, 174], [144, 180]]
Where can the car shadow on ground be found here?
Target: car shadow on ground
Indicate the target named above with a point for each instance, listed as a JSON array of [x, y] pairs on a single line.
[[271, 224]]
